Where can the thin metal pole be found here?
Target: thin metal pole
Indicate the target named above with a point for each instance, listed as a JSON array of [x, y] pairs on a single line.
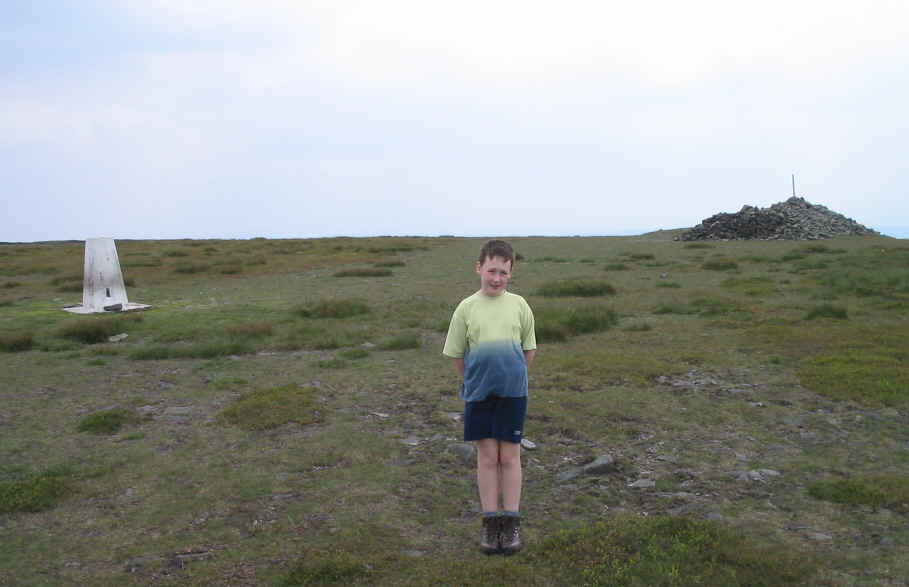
[[793, 185]]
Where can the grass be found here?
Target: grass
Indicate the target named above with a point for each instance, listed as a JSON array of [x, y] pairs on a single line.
[[335, 309], [204, 350], [17, 342], [269, 408], [575, 288], [889, 491], [363, 273], [827, 311], [720, 265], [276, 431], [107, 421], [95, 329], [37, 492], [401, 342], [670, 551], [877, 376]]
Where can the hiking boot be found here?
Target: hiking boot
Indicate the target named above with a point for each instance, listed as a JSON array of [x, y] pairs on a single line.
[[489, 539], [510, 534]]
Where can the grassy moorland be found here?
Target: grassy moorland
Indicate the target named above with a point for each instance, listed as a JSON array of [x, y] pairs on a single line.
[[283, 415]]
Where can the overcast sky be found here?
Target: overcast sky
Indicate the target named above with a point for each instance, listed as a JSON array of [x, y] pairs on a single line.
[[303, 118]]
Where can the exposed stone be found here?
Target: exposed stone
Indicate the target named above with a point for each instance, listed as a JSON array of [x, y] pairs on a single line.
[[794, 219], [569, 474], [463, 451], [118, 337], [411, 440], [602, 464], [528, 444], [643, 484]]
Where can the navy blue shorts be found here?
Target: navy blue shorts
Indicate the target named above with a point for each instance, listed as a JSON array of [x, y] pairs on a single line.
[[496, 417]]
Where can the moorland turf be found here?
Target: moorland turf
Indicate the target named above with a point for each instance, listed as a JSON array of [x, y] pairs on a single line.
[[283, 414]]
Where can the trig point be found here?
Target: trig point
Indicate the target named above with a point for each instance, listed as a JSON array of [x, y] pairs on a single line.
[[102, 281]]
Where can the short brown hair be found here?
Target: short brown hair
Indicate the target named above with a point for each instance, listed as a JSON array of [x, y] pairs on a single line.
[[496, 248]]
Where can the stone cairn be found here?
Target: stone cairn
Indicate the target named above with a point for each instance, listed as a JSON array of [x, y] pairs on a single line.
[[794, 219]]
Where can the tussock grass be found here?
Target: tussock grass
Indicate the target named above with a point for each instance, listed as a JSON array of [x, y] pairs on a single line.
[[17, 342], [191, 268], [251, 330], [669, 284], [640, 256], [175, 253], [331, 363], [713, 307], [95, 329], [642, 327], [547, 332], [575, 288], [890, 491], [335, 309], [36, 492], [355, 354], [699, 246], [6, 302], [401, 342], [793, 256], [393, 263], [269, 408], [720, 265], [827, 311], [616, 267], [674, 308], [107, 421], [363, 273], [554, 324], [663, 550]]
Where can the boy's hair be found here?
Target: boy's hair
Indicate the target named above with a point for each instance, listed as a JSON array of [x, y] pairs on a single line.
[[497, 248]]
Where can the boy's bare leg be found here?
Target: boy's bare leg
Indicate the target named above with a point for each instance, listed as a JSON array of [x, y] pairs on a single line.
[[488, 473], [510, 459]]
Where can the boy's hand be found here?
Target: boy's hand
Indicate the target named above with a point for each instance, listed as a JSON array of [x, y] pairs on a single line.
[[528, 357], [459, 363]]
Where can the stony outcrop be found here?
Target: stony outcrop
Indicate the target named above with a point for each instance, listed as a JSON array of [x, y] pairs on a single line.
[[794, 219]]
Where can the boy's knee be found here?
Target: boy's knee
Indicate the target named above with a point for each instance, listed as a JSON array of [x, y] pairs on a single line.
[[510, 455]]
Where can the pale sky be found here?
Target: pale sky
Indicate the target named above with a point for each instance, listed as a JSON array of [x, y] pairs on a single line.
[[228, 119]]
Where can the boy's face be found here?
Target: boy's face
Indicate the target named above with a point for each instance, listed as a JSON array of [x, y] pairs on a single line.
[[494, 274]]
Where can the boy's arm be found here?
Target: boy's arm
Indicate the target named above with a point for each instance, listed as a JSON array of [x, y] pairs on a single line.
[[459, 363], [528, 356]]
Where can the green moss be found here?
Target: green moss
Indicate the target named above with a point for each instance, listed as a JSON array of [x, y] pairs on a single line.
[[36, 492], [874, 377], [270, 408]]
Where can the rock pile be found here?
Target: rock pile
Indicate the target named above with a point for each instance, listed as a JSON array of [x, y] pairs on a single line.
[[794, 219]]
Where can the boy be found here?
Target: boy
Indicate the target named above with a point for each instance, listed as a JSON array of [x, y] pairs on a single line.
[[491, 338]]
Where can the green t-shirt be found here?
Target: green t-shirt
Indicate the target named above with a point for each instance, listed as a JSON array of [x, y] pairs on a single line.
[[491, 335]]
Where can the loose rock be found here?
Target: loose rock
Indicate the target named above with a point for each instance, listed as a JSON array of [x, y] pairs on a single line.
[[794, 219]]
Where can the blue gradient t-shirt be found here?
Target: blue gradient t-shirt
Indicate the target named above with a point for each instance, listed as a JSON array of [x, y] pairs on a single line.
[[491, 335]]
